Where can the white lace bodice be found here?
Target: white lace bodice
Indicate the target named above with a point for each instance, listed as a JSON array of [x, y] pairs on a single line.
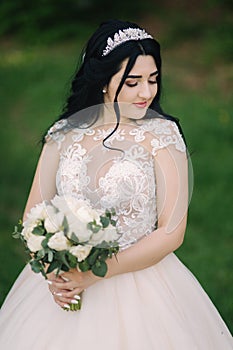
[[107, 178]]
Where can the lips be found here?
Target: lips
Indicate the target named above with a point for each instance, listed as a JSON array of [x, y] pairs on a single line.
[[141, 104]]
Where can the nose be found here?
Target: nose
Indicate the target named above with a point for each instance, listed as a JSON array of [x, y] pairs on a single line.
[[145, 91]]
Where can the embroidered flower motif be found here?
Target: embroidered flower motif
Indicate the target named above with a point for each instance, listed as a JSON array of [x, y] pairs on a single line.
[[101, 134]]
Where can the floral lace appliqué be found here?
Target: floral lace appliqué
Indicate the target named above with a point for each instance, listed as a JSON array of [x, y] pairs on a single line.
[[72, 173], [164, 133], [125, 182], [129, 187]]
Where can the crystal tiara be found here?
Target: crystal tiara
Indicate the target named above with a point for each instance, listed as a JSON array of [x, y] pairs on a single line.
[[125, 35]]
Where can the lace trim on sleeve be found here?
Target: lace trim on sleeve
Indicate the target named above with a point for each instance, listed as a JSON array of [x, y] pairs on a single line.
[[56, 132], [165, 132]]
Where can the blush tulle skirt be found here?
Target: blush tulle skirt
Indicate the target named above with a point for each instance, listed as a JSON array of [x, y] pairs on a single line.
[[162, 307]]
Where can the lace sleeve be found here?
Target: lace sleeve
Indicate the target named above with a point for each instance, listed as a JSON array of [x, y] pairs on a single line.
[[163, 133], [167, 134]]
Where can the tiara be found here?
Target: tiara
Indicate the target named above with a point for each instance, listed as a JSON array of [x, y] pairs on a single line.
[[125, 35]]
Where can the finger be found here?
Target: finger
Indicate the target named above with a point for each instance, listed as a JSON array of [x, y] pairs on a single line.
[[55, 278], [63, 305], [73, 294], [64, 285], [57, 292], [62, 301]]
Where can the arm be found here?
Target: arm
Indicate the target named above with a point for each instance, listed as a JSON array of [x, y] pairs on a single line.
[[44, 182]]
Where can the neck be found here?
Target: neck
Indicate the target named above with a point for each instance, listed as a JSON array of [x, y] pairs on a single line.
[[108, 115]]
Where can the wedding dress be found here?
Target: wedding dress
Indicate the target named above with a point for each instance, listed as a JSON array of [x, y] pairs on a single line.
[[162, 307]]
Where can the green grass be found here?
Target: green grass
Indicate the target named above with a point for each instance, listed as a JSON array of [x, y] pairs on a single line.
[[33, 89]]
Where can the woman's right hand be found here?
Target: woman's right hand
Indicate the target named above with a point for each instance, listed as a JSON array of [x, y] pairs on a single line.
[[57, 294]]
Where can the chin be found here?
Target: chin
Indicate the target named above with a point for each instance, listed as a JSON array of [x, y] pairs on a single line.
[[132, 112]]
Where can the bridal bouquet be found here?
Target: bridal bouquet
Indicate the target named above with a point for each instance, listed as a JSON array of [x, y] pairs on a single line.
[[67, 233]]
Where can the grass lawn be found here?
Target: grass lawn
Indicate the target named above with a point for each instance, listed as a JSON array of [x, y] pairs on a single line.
[[34, 84]]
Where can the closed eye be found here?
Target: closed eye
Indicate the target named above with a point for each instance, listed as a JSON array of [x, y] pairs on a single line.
[[153, 81], [136, 83], [131, 84]]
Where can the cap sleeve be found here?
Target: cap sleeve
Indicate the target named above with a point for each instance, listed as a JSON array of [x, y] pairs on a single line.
[[57, 132], [163, 134]]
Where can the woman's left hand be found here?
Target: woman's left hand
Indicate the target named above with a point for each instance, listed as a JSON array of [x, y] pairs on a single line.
[[73, 283]]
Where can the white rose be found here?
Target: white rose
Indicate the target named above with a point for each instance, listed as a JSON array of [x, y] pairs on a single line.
[[78, 207], [58, 241], [27, 230], [34, 243], [80, 251], [61, 203], [78, 215], [78, 228], [39, 211], [31, 222], [67, 204], [38, 214], [86, 214], [53, 222], [109, 234]]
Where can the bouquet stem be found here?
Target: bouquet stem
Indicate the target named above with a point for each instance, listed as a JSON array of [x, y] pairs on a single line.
[[73, 306]]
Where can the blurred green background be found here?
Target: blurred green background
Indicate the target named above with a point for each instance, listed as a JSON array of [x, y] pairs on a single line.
[[40, 46]]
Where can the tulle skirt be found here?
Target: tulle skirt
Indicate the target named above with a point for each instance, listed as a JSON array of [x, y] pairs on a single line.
[[162, 307]]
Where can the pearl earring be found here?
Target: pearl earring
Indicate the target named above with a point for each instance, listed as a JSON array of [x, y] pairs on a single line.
[[104, 91]]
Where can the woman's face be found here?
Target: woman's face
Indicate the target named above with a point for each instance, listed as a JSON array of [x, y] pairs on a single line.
[[139, 89]]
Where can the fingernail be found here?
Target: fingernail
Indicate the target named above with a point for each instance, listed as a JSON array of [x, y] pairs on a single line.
[[73, 301], [58, 294], [67, 306], [49, 282], [65, 279], [77, 297]]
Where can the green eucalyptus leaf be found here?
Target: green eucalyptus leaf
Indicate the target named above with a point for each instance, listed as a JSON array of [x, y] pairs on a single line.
[[36, 266], [93, 226], [104, 221], [96, 228], [63, 268], [72, 260], [89, 226], [74, 238], [104, 255], [16, 234], [54, 265], [62, 256], [113, 211], [108, 213], [99, 269], [93, 256], [49, 235], [40, 254], [84, 265], [65, 225], [38, 230], [113, 222]]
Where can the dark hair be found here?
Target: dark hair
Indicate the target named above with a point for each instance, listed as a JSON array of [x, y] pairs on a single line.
[[95, 72]]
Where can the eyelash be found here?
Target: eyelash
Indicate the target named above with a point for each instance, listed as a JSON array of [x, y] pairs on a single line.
[[135, 84]]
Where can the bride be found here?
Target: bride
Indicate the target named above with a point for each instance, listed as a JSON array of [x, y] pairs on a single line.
[[114, 147]]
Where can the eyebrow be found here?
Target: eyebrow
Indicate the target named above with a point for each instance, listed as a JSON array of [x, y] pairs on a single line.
[[140, 76]]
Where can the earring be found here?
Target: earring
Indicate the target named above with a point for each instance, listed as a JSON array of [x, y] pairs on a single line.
[[104, 91]]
